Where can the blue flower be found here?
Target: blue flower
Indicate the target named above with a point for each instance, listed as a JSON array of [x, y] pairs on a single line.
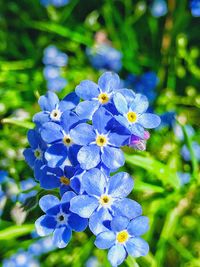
[[3, 176], [41, 246], [167, 119], [51, 72], [21, 259], [144, 84], [56, 84], [34, 155], [52, 56], [56, 177], [179, 132], [186, 153], [27, 185], [195, 7], [52, 108], [93, 262], [105, 57], [132, 114], [100, 142], [96, 95], [104, 197], [159, 8], [123, 239], [59, 220], [3, 199], [184, 177], [63, 149]]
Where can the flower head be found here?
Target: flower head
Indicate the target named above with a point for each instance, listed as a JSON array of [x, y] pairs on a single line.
[[123, 238], [59, 220]]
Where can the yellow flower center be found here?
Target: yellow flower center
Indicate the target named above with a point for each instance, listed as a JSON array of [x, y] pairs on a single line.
[[55, 115], [103, 98], [67, 140], [38, 153], [105, 200], [131, 116], [101, 140], [64, 180], [122, 236]]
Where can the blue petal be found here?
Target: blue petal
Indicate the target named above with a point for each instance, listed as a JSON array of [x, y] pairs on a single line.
[[38, 165], [140, 104], [83, 205], [122, 120], [120, 185], [97, 219], [137, 247], [116, 255], [112, 157], [87, 90], [100, 120], [29, 156], [119, 223], [56, 154], [120, 103], [118, 140], [109, 81], [51, 132], [137, 130], [94, 182], [89, 157], [86, 109], [68, 120], [69, 102], [67, 196], [149, 120], [48, 180], [138, 226], [128, 94], [62, 236], [34, 138], [77, 223], [47, 202], [83, 134], [41, 117], [128, 208], [48, 102], [45, 225], [105, 240]]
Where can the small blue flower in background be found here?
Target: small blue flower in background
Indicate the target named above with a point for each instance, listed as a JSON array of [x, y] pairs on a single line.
[[54, 60], [195, 7], [27, 185], [132, 114], [53, 56], [144, 84], [186, 153], [56, 3], [3, 176], [21, 259], [168, 119], [104, 198], [93, 262], [2, 200], [52, 108], [123, 239], [184, 177], [34, 155], [59, 220], [179, 132], [100, 142], [105, 57], [159, 8], [41, 246], [56, 84]]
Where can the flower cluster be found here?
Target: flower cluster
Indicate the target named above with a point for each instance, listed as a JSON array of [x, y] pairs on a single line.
[[76, 147], [56, 3], [54, 60]]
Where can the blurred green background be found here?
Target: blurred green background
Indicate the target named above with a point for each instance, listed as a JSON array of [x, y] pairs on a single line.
[[169, 46]]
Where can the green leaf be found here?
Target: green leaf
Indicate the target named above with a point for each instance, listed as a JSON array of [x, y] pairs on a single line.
[[15, 231], [141, 186], [161, 171], [24, 124]]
